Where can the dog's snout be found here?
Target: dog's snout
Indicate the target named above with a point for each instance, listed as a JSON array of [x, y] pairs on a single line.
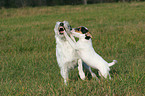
[[61, 24], [78, 29]]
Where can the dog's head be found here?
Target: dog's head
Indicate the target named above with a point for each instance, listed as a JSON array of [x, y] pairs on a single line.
[[60, 27], [81, 32]]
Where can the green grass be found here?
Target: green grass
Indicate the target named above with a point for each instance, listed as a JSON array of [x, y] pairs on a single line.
[[28, 63]]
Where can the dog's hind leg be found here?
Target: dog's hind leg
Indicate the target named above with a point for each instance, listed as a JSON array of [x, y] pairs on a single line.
[[64, 74], [89, 68], [80, 68], [104, 73], [92, 73], [109, 76]]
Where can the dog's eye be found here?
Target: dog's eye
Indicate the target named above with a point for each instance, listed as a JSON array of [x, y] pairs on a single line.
[[61, 24], [78, 29]]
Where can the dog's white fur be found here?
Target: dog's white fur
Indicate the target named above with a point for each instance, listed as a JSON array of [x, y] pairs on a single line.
[[88, 54], [67, 56]]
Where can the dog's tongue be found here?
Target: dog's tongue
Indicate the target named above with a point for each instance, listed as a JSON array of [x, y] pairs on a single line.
[[61, 32]]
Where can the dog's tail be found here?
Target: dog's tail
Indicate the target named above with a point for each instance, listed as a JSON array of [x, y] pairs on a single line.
[[112, 63]]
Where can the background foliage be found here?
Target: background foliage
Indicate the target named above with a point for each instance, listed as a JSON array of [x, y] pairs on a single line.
[[34, 3], [27, 49]]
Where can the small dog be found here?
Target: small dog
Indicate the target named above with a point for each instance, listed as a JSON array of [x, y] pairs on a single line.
[[67, 57], [87, 53]]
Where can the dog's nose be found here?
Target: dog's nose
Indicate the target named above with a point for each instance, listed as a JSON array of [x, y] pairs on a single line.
[[61, 24]]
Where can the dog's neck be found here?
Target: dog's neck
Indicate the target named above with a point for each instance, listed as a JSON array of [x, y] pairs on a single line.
[[62, 38], [83, 39], [84, 44]]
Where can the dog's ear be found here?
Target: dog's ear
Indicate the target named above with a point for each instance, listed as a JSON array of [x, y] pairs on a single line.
[[88, 36], [84, 30], [67, 26], [70, 27]]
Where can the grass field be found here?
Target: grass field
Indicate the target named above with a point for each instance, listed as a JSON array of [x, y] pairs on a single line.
[[28, 63]]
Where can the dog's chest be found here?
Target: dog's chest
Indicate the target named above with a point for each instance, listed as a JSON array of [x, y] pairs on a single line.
[[86, 50], [65, 52], [84, 45]]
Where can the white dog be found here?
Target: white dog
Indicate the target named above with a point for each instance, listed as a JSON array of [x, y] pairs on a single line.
[[86, 51], [67, 57]]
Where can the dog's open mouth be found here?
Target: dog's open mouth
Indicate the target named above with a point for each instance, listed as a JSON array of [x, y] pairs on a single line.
[[61, 30]]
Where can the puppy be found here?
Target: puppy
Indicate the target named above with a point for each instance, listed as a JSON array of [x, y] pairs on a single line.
[[87, 53], [67, 56]]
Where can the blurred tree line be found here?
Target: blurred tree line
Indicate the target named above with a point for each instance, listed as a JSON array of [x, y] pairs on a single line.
[[33, 3]]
